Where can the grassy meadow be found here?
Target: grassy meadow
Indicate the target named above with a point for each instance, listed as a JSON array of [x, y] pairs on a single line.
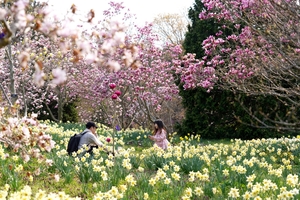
[[189, 169]]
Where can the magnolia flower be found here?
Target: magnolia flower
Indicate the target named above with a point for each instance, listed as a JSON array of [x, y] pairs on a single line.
[[34, 115], [1, 111], [26, 158], [23, 58], [114, 96], [128, 59], [113, 66], [119, 37], [49, 162], [59, 76], [37, 171], [118, 92], [106, 47], [112, 85], [26, 132], [3, 13], [12, 122], [21, 19], [38, 76]]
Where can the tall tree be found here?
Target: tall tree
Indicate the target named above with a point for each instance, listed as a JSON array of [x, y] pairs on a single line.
[[260, 57], [45, 48], [201, 117], [198, 30], [217, 113], [145, 91], [9, 36]]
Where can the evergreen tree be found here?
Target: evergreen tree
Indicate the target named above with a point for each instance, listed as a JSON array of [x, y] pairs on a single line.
[[205, 112], [198, 30]]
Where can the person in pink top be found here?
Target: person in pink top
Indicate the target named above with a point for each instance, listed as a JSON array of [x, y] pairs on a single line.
[[159, 135]]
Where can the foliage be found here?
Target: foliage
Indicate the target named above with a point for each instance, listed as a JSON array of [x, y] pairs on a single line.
[[70, 113], [198, 30], [219, 114]]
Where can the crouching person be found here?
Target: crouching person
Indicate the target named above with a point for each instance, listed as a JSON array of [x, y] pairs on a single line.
[[89, 139]]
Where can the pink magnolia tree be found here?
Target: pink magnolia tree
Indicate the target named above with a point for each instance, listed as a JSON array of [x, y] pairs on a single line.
[[138, 91], [44, 56], [92, 54], [45, 48], [39, 50], [261, 57]]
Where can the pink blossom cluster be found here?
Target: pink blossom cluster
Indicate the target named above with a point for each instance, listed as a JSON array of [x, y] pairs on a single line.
[[194, 74], [116, 93], [145, 87], [25, 136], [261, 44], [51, 49], [70, 36]]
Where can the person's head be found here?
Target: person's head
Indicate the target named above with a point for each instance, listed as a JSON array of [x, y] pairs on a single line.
[[158, 124], [92, 126]]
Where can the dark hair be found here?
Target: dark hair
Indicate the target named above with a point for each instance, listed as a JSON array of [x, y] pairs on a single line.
[[160, 125], [91, 124]]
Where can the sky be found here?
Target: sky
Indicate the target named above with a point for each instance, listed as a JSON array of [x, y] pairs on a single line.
[[145, 10]]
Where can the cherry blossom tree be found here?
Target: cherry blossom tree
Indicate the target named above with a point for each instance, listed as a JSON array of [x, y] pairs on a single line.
[[261, 57]]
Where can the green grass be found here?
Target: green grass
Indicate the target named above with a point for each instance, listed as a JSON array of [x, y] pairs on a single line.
[[214, 141]]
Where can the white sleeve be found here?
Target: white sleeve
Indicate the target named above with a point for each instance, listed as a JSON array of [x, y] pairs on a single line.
[[96, 141]]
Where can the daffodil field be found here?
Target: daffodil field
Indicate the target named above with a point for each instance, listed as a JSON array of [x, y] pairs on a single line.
[[189, 169]]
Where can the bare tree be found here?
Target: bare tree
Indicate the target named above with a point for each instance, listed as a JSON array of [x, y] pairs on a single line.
[[171, 28]]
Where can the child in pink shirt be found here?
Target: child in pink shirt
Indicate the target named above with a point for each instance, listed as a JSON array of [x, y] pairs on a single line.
[[159, 135]]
